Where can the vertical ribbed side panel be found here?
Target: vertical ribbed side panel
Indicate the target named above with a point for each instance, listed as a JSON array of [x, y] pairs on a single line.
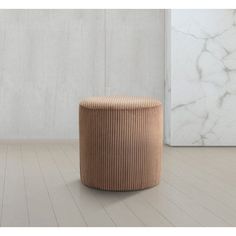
[[120, 149]]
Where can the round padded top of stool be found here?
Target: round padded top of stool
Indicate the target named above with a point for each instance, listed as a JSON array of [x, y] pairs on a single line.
[[118, 102]]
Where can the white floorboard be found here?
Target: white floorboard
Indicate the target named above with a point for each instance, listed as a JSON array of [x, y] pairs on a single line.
[[40, 186], [15, 203], [41, 212]]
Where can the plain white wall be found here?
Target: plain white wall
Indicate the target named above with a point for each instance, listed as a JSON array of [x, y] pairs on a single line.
[[51, 59]]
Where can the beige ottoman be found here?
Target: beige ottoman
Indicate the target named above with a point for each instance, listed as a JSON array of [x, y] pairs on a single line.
[[120, 142]]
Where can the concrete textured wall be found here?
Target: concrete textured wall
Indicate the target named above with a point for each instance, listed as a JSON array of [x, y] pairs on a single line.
[[51, 59]]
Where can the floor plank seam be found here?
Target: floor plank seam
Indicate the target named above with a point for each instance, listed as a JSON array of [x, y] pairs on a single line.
[[49, 196], [68, 189], [160, 213], [75, 168], [172, 202], [135, 214], [4, 183], [26, 196], [197, 203], [208, 194], [208, 172]]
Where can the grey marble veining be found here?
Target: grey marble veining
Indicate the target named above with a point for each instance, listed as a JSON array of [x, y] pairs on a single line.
[[202, 77], [51, 59]]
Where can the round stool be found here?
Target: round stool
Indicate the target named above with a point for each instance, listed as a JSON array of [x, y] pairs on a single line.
[[120, 142]]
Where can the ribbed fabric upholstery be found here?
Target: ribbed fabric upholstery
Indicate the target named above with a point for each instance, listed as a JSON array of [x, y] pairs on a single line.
[[120, 142]]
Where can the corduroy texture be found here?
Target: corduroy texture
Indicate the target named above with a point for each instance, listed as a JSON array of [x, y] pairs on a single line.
[[120, 142]]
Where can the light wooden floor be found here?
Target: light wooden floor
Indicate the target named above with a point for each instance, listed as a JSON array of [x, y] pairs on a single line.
[[40, 186]]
